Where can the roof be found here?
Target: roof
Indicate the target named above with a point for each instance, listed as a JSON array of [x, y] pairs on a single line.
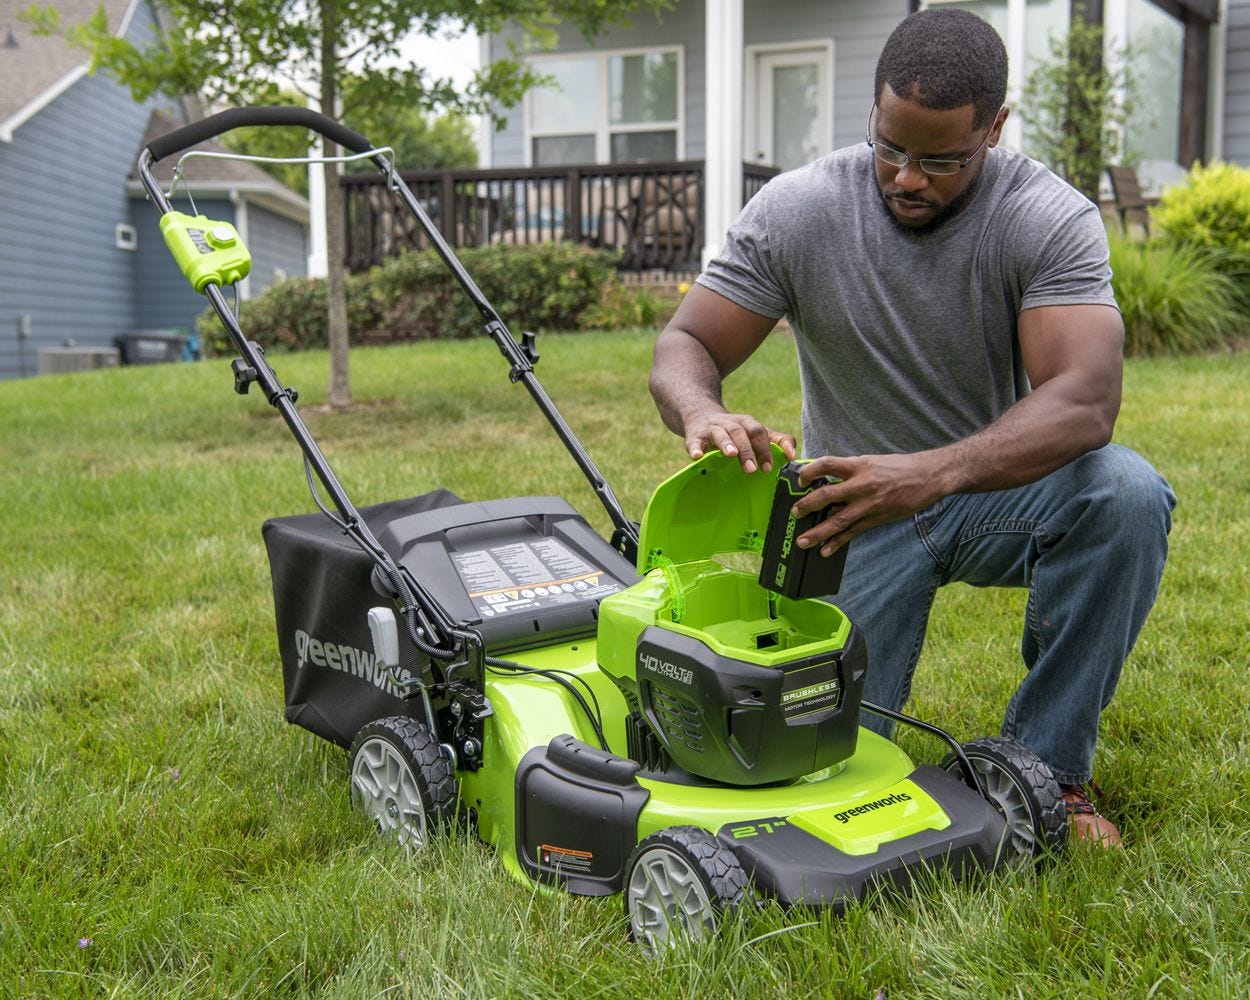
[[35, 70], [209, 176]]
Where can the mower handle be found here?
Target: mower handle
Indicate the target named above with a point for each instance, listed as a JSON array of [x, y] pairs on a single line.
[[214, 125]]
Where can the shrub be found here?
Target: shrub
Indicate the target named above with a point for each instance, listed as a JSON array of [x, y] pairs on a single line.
[[620, 307], [1210, 209], [1175, 297], [415, 297]]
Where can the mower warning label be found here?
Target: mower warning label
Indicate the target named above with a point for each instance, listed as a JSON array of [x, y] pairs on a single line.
[[525, 576], [566, 859]]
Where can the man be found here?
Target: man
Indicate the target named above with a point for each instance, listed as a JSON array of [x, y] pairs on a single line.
[[960, 353]]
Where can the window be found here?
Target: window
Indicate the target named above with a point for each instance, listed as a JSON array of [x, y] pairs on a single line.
[[1026, 27], [614, 107]]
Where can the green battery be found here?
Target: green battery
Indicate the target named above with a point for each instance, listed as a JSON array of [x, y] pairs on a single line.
[[785, 568]]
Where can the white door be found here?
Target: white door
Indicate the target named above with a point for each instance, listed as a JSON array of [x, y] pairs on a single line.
[[790, 118]]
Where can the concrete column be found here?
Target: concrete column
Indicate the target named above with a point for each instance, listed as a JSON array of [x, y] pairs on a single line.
[[723, 171]]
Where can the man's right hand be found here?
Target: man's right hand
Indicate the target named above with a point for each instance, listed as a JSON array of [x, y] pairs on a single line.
[[707, 338], [736, 435]]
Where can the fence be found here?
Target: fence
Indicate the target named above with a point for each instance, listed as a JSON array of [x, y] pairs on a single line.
[[652, 213]]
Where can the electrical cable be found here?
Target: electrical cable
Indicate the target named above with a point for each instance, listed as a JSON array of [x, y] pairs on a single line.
[[594, 717]]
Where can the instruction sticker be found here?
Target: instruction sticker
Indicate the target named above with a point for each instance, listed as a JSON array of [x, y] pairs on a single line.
[[526, 576], [566, 859]]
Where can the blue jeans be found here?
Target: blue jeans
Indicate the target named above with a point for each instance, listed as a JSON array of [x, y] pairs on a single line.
[[1088, 541]]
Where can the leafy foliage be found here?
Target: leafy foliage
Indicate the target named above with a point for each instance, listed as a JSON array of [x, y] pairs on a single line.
[[1076, 104], [1210, 209], [413, 297], [1175, 297]]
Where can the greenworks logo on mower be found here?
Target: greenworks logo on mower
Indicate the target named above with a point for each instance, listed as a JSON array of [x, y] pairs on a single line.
[[350, 660], [890, 800], [648, 661]]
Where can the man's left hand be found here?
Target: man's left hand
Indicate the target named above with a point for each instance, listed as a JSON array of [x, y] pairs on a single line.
[[873, 489]]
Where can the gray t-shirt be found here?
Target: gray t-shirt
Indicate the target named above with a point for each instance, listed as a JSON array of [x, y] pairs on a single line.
[[908, 341]]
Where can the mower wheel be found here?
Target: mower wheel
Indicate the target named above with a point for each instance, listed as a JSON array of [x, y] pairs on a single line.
[[402, 779], [1022, 787], [678, 882]]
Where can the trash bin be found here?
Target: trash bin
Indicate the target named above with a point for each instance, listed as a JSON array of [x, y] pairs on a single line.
[[150, 347]]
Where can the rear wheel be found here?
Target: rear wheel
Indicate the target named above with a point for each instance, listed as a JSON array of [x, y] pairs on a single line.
[[678, 883], [1022, 787], [402, 779]]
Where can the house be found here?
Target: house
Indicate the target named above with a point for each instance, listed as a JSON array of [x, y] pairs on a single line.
[[81, 259], [781, 82]]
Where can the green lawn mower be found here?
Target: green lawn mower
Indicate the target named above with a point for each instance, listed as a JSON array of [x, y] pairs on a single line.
[[635, 715]]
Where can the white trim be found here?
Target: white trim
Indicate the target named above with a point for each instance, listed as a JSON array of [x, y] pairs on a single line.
[[723, 38], [752, 141], [485, 127], [603, 128], [40, 101], [1017, 19], [239, 201], [318, 253]]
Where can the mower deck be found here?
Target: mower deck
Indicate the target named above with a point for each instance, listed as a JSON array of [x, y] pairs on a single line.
[[562, 812]]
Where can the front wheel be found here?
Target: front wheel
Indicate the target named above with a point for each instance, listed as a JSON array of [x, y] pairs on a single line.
[[402, 779], [678, 883], [1022, 787]]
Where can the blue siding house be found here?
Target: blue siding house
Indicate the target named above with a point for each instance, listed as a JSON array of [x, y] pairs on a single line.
[[780, 82], [81, 259]]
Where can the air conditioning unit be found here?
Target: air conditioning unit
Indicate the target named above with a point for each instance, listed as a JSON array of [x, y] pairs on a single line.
[[56, 360]]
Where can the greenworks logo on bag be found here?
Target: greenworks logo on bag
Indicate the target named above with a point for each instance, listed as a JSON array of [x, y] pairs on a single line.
[[348, 659], [845, 815]]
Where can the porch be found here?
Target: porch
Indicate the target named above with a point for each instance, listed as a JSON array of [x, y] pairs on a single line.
[[653, 213]]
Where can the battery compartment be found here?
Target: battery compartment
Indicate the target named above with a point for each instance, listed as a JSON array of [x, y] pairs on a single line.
[[736, 613]]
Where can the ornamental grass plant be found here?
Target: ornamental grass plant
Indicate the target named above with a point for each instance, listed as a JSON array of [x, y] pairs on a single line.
[[1177, 298]]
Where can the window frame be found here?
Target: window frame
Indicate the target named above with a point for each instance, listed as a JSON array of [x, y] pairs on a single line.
[[604, 129]]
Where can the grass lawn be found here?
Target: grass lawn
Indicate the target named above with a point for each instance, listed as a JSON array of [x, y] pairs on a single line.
[[165, 833]]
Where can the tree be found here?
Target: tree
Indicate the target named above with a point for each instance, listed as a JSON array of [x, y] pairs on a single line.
[[1076, 105], [345, 55]]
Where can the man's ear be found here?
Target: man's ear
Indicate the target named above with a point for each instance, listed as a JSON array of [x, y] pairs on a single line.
[[997, 131]]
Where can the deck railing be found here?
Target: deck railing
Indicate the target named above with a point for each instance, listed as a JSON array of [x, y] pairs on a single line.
[[652, 212]]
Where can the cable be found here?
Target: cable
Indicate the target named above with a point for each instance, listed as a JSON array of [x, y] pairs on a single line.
[[594, 717], [312, 488]]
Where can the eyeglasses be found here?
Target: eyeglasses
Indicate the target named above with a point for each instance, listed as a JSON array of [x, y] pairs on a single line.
[[934, 168]]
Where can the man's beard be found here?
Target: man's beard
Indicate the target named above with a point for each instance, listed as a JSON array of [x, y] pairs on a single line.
[[953, 208]]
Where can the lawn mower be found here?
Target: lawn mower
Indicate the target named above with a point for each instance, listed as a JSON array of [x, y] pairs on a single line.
[[636, 715]]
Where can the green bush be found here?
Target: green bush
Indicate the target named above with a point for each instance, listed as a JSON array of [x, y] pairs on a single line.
[[414, 297], [1210, 209], [1176, 298]]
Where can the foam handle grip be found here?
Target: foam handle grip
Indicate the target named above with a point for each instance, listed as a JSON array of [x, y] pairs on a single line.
[[214, 125]]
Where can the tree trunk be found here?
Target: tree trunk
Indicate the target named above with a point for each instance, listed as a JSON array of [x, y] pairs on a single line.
[[340, 390]]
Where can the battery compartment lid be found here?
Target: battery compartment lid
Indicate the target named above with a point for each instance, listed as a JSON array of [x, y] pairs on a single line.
[[711, 507]]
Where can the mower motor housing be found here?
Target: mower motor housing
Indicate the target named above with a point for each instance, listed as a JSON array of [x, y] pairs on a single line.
[[725, 679]]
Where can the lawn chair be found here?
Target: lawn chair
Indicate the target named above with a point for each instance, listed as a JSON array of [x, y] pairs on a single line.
[[1129, 201]]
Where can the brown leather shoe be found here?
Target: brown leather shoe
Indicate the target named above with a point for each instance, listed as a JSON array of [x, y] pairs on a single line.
[[1085, 823]]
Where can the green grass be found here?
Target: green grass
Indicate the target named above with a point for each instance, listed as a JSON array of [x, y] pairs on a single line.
[[153, 801]]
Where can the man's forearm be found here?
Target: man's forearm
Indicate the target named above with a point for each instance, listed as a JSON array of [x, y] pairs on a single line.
[[1042, 432], [684, 380]]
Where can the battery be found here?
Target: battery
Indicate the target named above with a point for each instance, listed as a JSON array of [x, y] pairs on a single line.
[[785, 568]]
